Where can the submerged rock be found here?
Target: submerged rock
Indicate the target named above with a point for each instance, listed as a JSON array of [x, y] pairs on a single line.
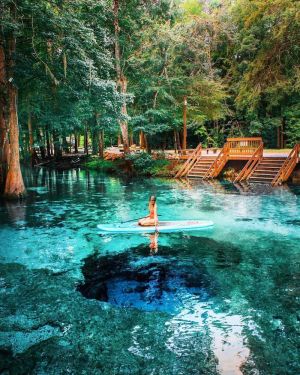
[[47, 327]]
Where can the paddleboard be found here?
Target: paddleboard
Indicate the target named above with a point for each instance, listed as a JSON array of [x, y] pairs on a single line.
[[164, 226]]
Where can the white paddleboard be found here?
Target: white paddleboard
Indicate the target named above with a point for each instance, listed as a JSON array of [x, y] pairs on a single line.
[[163, 226]]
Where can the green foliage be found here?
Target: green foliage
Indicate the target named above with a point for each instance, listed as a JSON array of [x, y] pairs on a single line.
[[292, 118], [236, 62], [142, 163], [191, 8], [64, 66], [162, 167], [102, 165]]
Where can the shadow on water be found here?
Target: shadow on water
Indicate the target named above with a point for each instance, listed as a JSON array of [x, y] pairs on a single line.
[[160, 280]]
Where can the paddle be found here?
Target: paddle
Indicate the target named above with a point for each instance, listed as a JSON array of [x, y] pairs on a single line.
[[128, 221], [136, 219]]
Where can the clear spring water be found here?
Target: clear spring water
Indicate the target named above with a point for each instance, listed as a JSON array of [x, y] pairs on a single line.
[[220, 301]]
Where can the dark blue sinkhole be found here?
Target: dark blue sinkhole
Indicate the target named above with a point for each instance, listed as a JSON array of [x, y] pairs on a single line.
[[167, 281]]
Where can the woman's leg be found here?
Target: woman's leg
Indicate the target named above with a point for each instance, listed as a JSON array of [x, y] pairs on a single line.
[[142, 221], [147, 222]]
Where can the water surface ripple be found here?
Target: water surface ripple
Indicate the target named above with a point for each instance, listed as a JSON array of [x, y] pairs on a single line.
[[221, 301]]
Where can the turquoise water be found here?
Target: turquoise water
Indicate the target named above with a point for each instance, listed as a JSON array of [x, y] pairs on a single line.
[[220, 301]]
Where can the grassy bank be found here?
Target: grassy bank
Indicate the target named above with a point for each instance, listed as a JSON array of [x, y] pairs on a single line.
[[135, 165]]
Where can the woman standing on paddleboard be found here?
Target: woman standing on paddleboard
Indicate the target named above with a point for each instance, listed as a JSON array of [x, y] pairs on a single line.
[[151, 219]]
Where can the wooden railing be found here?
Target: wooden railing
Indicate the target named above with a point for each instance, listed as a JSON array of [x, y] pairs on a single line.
[[233, 147], [177, 155], [251, 164], [288, 166], [219, 163], [187, 166], [243, 146]]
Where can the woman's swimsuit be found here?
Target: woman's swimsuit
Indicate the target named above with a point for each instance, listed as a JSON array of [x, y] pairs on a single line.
[[151, 216]]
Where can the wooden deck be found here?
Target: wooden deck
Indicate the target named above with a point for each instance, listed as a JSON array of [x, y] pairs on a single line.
[[273, 169]]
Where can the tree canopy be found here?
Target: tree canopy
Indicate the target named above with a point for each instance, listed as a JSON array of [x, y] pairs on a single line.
[[103, 69]]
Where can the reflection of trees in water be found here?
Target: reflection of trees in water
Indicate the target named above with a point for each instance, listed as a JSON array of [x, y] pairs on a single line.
[[16, 210]]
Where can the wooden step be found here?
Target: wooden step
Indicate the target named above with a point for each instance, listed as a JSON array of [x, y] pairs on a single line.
[[199, 170], [272, 160], [267, 164], [206, 167], [195, 176], [268, 182], [260, 178], [203, 166], [260, 169], [205, 161], [263, 173], [275, 158], [268, 167]]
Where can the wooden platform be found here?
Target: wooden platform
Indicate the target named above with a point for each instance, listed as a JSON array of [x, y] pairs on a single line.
[[260, 168]]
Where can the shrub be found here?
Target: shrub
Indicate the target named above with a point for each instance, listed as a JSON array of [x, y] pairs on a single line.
[[230, 174], [142, 163], [101, 165], [161, 167]]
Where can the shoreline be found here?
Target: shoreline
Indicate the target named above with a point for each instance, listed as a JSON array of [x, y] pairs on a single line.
[[123, 168]]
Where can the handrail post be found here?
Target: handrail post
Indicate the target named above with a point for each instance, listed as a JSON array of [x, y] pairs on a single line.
[[288, 166], [251, 164], [189, 162], [213, 170]]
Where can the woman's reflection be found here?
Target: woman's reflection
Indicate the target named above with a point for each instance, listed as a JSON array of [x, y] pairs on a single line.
[[153, 243]]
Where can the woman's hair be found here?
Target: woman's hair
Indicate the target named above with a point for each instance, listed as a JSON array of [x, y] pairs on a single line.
[[153, 197]]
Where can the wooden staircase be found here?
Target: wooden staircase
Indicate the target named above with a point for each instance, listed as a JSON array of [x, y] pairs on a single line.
[[190, 162], [201, 167], [237, 149], [251, 164], [266, 170], [289, 165], [258, 169], [219, 163]]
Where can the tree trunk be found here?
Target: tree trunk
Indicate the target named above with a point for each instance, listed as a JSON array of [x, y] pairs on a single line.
[[33, 156], [95, 142], [184, 135], [65, 145], [177, 142], [42, 143], [86, 141], [70, 143], [101, 144], [146, 143], [121, 79], [52, 145], [280, 135], [119, 141], [14, 186], [4, 144], [76, 143], [143, 140], [95, 133], [48, 145], [57, 146]]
